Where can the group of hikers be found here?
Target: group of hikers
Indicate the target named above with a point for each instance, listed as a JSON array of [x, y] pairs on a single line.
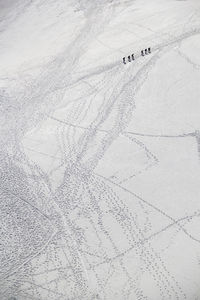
[[132, 56]]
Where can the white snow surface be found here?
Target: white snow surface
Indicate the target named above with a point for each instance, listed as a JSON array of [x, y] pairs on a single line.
[[99, 160]]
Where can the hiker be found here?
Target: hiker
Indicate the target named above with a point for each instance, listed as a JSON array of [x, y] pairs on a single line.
[[149, 50], [129, 58], [133, 57], [124, 60], [146, 52], [142, 52]]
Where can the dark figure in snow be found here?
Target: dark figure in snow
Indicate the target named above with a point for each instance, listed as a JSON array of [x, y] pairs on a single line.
[[124, 60], [142, 52], [146, 52], [149, 50], [133, 57], [129, 58]]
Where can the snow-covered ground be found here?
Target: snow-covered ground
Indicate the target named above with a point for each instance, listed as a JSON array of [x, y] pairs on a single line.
[[99, 160]]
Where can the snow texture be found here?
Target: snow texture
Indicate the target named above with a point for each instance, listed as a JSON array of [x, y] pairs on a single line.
[[99, 159]]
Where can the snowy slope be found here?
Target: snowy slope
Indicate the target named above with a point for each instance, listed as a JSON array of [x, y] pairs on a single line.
[[99, 159]]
